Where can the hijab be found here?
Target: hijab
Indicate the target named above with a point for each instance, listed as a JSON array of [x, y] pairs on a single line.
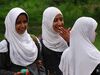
[[23, 50], [82, 56], [52, 39]]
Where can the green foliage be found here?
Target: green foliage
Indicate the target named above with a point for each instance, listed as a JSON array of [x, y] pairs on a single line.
[[71, 9]]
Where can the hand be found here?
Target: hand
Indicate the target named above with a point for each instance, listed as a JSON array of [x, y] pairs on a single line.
[[39, 64], [64, 33], [27, 72], [18, 73]]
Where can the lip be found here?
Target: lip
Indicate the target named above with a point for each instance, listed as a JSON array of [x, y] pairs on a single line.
[[22, 30]]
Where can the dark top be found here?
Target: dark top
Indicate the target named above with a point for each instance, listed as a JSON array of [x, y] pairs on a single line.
[[96, 70], [6, 66], [51, 60]]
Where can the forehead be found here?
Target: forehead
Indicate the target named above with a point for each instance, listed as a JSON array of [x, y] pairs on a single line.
[[22, 16], [58, 16]]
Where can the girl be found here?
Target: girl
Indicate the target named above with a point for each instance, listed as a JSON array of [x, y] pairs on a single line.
[[82, 57], [55, 39], [22, 51]]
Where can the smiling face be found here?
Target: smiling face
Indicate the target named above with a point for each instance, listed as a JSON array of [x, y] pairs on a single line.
[[58, 22], [21, 23]]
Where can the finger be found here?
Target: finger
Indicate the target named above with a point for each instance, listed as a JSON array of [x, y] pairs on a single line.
[[69, 29], [19, 73]]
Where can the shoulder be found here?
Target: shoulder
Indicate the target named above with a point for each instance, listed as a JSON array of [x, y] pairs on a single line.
[[3, 42], [37, 41], [35, 38], [66, 52], [3, 46]]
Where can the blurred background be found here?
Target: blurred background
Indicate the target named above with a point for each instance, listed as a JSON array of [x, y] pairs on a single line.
[[71, 9]]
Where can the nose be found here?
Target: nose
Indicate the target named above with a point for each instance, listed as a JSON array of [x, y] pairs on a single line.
[[22, 25], [59, 22]]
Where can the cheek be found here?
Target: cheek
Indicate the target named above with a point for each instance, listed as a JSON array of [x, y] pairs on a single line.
[[55, 27], [17, 27], [26, 25], [62, 23]]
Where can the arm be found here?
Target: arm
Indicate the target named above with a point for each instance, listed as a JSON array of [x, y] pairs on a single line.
[[3, 65], [4, 59], [64, 33]]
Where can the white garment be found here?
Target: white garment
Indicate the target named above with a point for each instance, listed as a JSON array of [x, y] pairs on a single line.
[[3, 46], [23, 50], [52, 39], [64, 64], [82, 57]]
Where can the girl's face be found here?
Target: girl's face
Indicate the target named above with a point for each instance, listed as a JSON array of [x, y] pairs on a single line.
[[21, 23], [58, 22]]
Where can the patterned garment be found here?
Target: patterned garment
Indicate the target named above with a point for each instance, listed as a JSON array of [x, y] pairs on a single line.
[[96, 70]]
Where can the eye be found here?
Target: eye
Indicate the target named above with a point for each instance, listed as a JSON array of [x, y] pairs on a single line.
[[25, 21], [18, 22], [61, 19], [55, 20]]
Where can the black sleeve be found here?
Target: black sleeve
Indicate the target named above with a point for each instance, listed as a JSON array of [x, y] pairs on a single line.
[[96, 70], [4, 65], [5, 72]]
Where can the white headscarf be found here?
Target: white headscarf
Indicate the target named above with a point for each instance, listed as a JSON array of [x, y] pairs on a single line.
[[52, 39], [23, 50], [82, 57]]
